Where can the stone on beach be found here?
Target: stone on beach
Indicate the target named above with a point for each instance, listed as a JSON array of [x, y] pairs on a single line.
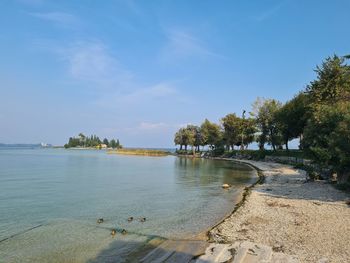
[[281, 214]]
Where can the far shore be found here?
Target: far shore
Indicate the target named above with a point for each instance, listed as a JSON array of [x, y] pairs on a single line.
[[142, 152], [309, 220]]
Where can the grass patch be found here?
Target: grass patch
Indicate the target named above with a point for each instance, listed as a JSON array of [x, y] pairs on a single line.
[[144, 152]]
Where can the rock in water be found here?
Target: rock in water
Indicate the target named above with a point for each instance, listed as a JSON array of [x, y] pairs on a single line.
[[226, 186]]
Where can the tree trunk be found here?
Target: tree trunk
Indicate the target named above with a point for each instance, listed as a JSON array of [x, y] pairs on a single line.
[[344, 177], [193, 150], [273, 146], [300, 142], [180, 147], [185, 147], [287, 146]]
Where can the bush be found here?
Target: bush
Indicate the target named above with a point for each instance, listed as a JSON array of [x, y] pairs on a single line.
[[310, 171], [219, 151]]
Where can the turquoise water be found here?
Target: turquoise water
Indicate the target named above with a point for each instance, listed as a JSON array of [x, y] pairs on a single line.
[[50, 200]]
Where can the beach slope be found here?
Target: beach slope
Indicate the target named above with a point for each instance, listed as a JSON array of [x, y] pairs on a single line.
[[310, 220]]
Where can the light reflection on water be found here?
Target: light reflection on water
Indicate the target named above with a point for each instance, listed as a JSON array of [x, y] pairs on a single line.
[[65, 191]]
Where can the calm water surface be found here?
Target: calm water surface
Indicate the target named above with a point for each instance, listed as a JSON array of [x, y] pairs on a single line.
[[50, 200]]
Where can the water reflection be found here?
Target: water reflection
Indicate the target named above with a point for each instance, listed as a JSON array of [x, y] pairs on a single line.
[[66, 191], [204, 172]]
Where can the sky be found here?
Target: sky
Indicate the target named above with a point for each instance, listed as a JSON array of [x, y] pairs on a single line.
[[140, 70]]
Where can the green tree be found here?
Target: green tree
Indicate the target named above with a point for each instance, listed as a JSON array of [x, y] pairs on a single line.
[[332, 83], [186, 137], [231, 125], [326, 134], [178, 139], [292, 118], [113, 144], [247, 127], [194, 137], [327, 138], [264, 111], [118, 145], [211, 134], [105, 141]]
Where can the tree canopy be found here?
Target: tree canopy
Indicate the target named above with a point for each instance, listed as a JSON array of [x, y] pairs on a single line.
[[93, 141], [319, 116]]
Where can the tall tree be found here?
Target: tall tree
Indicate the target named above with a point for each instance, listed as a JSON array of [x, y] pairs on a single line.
[[105, 141], [292, 118], [231, 125], [248, 130], [327, 131], [178, 139], [112, 144], [264, 111], [332, 83], [211, 134]]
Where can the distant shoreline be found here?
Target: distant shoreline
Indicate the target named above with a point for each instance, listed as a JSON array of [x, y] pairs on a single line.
[[141, 152]]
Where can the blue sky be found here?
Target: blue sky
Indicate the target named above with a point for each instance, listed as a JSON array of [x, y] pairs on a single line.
[[139, 70]]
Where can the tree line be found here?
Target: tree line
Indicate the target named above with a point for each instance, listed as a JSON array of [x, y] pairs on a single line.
[[319, 116], [92, 141]]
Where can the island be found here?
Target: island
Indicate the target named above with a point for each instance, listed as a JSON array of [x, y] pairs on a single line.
[[92, 142]]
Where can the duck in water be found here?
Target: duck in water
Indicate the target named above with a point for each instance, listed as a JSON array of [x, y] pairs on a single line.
[[143, 219], [124, 232], [130, 219], [113, 232], [100, 220]]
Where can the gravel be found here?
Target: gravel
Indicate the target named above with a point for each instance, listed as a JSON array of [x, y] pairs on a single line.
[[310, 220]]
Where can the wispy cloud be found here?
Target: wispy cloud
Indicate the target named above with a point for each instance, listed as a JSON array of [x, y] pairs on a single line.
[[270, 12], [58, 18], [92, 62], [152, 126], [94, 65], [157, 91], [182, 44], [139, 98]]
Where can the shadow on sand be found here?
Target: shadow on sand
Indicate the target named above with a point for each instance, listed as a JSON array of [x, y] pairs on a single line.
[[153, 249], [292, 184]]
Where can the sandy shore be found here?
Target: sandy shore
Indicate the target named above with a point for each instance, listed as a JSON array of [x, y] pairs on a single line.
[[310, 220]]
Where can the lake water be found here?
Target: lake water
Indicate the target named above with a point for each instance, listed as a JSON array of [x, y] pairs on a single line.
[[50, 200]]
